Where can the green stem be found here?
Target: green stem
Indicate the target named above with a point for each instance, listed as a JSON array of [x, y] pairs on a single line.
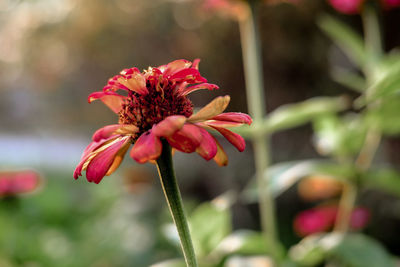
[[256, 105], [174, 200], [373, 45]]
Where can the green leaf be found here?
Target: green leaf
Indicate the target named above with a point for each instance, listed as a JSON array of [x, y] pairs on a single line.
[[282, 176], [352, 250], [349, 79], [170, 263], [386, 115], [210, 223], [346, 38], [294, 115], [340, 137], [385, 179], [357, 250]]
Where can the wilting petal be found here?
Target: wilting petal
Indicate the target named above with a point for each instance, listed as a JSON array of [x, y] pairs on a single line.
[[186, 139], [118, 159], [174, 66], [220, 158], [195, 64], [212, 109], [147, 147], [105, 132], [134, 80], [111, 99], [169, 125], [207, 148], [189, 76], [233, 138], [234, 117], [188, 90], [223, 124], [103, 160], [86, 153]]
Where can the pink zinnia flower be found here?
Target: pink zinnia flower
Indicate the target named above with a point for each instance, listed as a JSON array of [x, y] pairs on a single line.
[[155, 106], [321, 219], [18, 182], [348, 7]]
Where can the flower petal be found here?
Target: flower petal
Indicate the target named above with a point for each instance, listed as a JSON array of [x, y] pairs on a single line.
[[111, 99], [103, 160], [169, 125], [118, 159], [232, 137], [207, 148], [212, 109], [174, 66], [86, 154], [220, 158], [188, 75], [234, 117], [105, 132], [188, 90], [224, 124], [147, 147], [134, 80], [186, 139]]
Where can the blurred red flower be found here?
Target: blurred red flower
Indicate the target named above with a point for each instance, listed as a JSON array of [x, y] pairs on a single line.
[[18, 182], [351, 7], [323, 218], [155, 106]]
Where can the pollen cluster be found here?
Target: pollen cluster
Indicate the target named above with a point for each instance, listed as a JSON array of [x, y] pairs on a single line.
[[145, 110]]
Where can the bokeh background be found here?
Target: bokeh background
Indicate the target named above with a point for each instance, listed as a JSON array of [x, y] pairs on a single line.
[[54, 53]]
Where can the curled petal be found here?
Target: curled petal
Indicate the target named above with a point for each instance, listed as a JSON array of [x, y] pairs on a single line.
[[134, 80], [114, 129], [86, 154], [224, 124], [196, 87], [186, 139], [103, 159], [233, 138], [169, 125], [220, 158], [234, 117], [207, 148], [212, 109], [174, 66], [105, 132], [188, 75], [118, 159], [147, 147], [195, 64], [111, 99]]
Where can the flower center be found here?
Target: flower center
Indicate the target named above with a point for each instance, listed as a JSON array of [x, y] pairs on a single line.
[[144, 111]]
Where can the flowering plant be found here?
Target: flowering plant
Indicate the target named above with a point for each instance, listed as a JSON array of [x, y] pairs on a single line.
[[155, 107]]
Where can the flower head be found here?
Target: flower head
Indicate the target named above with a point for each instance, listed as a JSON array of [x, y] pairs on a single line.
[[152, 105], [18, 182]]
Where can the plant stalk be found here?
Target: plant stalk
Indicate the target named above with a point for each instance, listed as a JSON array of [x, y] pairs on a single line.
[[256, 105], [175, 204]]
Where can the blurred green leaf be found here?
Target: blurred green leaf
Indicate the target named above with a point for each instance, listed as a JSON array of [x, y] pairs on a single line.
[[340, 137], [282, 176], [385, 115], [346, 38], [352, 250], [349, 79], [170, 263], [210, 222], [293, 115], [385, 179]]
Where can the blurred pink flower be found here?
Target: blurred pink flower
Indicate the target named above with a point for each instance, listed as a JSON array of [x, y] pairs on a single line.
[[350, 7], [18, 182], [390, 3], [322, 219], [155, 106], [347, 6]]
